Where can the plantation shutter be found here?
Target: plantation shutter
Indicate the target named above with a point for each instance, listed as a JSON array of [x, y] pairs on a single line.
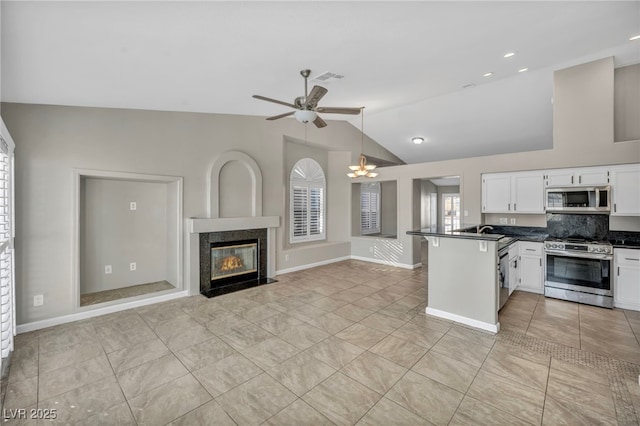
[[316, 208], [300, 210], [7, 302], [307, 192], [370, 208]]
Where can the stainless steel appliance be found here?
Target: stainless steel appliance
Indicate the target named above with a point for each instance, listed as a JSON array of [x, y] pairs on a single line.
[[578, 199], [579, 271]]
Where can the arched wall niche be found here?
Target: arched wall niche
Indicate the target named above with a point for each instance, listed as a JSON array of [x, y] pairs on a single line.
[[216, 178]]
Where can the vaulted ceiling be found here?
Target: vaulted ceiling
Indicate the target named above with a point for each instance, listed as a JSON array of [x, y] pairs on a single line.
[[406, 62]]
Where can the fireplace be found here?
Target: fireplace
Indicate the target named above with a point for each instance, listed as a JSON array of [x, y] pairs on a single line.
[[232, 260]]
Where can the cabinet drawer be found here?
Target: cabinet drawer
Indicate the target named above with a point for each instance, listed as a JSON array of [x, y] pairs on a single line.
[[530, 248], [628, 257]]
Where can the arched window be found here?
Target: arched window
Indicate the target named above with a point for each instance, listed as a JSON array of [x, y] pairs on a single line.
[[307, 193]]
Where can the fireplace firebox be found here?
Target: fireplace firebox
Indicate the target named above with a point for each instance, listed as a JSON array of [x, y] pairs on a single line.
[[232, 261]]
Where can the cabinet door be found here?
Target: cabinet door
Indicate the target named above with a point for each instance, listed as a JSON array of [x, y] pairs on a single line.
[[625, 188], [563, 177], [514, 272], [527, 193], [496, 193], [626, 290], [531, 273], [597, 176], [530, 266]]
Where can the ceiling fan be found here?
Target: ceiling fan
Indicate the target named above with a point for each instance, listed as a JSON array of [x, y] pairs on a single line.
[[306, 107]]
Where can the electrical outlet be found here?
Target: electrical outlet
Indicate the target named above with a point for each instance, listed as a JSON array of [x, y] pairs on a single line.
[[466, 213], [132, 266], [286, 257], [371, 249], [38, 300], [503, 221], [133, 205], [513, 220], [108, 269]]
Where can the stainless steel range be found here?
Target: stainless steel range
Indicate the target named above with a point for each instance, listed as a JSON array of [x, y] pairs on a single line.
[[579, 271]]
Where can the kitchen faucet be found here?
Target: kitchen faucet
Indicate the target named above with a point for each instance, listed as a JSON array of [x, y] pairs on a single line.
[[480, 230]]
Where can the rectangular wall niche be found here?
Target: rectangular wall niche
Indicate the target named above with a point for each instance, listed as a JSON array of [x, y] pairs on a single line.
[[232, 261]]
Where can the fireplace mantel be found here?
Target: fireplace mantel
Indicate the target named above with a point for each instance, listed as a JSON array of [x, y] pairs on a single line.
[[200, 225]]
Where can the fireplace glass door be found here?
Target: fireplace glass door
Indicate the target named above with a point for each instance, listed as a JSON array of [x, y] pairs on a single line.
[[234, 259]]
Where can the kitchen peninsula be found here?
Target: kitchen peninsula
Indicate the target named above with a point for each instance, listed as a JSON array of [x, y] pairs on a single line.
[[463, 275]]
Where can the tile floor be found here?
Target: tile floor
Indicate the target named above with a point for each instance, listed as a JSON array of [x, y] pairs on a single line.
[[346, 343], [124, 292]]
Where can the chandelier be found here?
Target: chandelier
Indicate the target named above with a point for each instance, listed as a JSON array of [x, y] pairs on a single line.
[[362, 169]]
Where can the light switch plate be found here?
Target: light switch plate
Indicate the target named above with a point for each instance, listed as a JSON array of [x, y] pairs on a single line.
[[108, 269], [513, 220]]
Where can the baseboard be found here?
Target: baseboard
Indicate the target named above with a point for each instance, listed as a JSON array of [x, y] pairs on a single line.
[[625, 305], [494, 328], [312, 265], [386, 262], [37, 325]]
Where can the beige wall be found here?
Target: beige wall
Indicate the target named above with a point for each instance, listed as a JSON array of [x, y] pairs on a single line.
[[583, 136], [626, 110], [53, 140], [388, 208], [112, 234]]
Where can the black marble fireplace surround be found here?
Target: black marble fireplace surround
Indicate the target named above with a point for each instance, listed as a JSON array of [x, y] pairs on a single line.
[[211, 289]]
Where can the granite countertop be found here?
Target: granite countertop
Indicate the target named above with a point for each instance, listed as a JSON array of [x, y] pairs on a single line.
[[518, 233], [625, 244], [438, 231], [619, 239]]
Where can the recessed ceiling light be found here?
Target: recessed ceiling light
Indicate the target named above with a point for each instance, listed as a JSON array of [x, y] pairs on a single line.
[[635, 37], [508, 55], [417, 140], [489, 74], [523, 69]]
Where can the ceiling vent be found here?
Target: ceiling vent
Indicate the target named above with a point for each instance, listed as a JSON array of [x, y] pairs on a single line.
[[327, 77], [468, 86]]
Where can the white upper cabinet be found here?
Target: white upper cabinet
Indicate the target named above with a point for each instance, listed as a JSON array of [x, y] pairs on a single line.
[[527, 192], [625, 188], [562, 177], [576, 177], [521, 192], [496, 193]]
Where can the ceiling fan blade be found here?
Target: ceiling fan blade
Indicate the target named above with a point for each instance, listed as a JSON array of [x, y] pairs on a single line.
[[286, 114], [275, 101], [315, 95], [338, 110], [319, 122]]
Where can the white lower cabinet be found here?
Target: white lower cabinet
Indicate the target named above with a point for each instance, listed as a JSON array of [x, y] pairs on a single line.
[[530, 267], [626, 283]]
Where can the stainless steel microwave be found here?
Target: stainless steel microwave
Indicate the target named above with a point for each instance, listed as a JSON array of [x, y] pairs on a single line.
[[579, 199]]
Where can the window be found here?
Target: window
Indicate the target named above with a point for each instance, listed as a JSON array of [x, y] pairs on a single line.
[[370, 208], [307, 192], [451, 211], [7, 286]]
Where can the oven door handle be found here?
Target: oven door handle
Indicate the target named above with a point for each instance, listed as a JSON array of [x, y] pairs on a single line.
[[581, 255]]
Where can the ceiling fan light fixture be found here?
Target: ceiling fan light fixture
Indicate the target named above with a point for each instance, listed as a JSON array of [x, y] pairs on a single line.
[[305, 116]]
